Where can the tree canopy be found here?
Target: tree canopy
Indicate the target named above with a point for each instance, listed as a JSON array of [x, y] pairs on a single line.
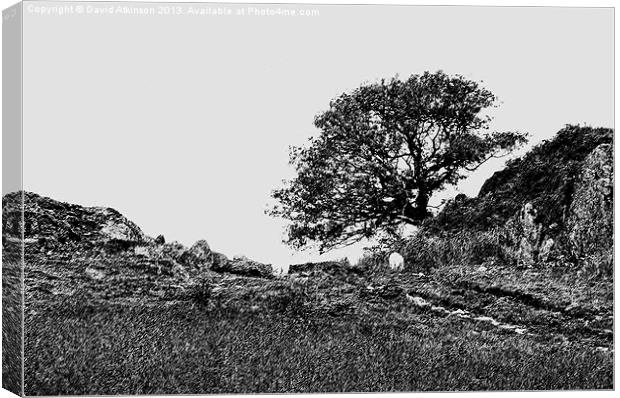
[[382, 151]]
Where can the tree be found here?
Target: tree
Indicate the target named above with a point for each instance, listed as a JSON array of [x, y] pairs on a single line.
[[382, 151]]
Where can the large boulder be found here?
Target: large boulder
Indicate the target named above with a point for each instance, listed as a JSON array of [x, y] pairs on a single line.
[[588, 226], [590, 216], [533, 240], [198, 256], [172, 250], [51, 222], [530, 231], [220, 262], [120, 228]]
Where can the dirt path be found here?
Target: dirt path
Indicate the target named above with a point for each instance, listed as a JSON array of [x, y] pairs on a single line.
[[491, 306]]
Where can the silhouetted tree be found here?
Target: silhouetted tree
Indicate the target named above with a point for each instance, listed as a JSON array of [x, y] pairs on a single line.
[[383, 150]]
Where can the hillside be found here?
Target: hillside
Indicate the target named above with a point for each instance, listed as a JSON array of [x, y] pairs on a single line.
[[110, 310], [70, 249], [545, 176], [555, 204]]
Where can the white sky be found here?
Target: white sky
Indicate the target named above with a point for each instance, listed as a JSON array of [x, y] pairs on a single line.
[[183, 123]]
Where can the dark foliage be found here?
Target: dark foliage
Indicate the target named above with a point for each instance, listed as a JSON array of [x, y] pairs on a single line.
[[202, 291], [330, 267], [384, 149]]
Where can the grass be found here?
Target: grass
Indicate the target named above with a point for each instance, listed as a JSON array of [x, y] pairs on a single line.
[[331, 328], [11, 321], [424, 252], [183, 348]]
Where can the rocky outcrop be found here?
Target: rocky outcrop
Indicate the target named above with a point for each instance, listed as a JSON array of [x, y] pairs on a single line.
[[173, 250], [118, 227], [98, 253], [51, 222], [529, 236], [590, 217], [241, 266], [588, 224], [199, 255], [554, 204], [220, 262], [544, 177]]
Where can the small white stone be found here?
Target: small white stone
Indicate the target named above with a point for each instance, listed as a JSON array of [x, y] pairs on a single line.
[[487, 319], [439, 309], [397, 262], [418, 301], [95, 273], [507, 327]]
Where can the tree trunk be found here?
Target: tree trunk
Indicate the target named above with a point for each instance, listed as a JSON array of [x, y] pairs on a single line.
[[419, 212]]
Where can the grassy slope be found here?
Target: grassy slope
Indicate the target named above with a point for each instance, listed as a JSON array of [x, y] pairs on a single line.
[[11, 320], [133, 350], [321, 333]]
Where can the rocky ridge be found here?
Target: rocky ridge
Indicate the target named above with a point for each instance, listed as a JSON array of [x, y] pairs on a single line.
[[586, 230], [97, 252], [553, 204]]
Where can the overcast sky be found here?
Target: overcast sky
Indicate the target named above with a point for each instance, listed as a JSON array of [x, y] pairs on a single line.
[[183, 122]]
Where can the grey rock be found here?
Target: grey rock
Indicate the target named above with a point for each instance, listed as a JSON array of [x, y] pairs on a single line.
[[241, 266], [526, 233], [220, 261], [173, 250], [546, 249], [590, 217], [94, 273], [198, 256]]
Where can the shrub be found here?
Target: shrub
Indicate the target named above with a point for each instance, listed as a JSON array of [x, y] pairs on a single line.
[[598, 265], [295, 298], [424, 252], [201, 291], [373, 260]]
